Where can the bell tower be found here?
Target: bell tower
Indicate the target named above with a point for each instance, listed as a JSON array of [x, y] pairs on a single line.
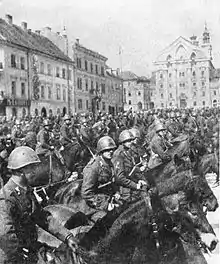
[[206, 42]]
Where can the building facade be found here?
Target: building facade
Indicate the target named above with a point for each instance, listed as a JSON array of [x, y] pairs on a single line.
[[36, 77], [97, 88], [136, 92], [183, 71]]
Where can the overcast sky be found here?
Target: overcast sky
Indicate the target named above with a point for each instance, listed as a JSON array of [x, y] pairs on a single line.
[[141, 27]]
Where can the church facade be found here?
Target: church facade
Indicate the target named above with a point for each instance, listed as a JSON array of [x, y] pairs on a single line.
[[184, 72]]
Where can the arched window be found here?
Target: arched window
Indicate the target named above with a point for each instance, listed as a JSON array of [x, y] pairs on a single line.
[[193, 56], [169, 57], [161, 95], [180, 53]]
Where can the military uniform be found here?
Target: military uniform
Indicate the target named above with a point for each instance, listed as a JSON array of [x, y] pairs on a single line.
[[98, 184], [43, 141], [17, 136], [124, 162], [159, 147], [66, 135], [19, 214]]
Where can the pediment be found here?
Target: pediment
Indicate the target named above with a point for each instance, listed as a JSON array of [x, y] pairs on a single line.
[[180, 49]]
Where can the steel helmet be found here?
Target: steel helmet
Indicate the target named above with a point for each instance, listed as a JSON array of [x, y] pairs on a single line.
[[135, 132], [21, 157], [160, 127], [66, 117], [46, 122], [17, 122], [105, 143], [125, 135]]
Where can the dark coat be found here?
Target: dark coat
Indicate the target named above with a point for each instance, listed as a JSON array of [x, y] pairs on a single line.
[[19, 214], [97, 173]]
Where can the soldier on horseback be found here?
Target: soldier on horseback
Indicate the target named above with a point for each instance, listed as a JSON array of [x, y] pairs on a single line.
[[17, 134], [20, 212], [129, 180], [43, 139], [66, 133], [98, 188], [159, 146]]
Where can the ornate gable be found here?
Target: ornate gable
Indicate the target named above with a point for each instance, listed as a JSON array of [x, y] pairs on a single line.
[[181, 49]]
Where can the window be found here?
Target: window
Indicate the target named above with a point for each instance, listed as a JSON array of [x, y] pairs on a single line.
[[203, 103], [103, 88], [203, 93], [161, 85], [170, 85], [151, 94], [70, 75], [58, 91], [86, 65], [162, 104], [194, 94], [183, 84], [180, 84], [161, 95], [87, 104], [202, 73], [79, 63], [194, 103], [79, 103], [139, 93], [91, 67], [102, 71], [171, 104], [183, 74], [180, 74], [103, 106], [79, 83], [13, 61], [42, 67], [13, 88], [129, 102], [22, 63], [92, 86], [129, 94], [64, 73], [203, 83], [170, 75], [171, 95], [49, 70], [96, 69], [87, 85], [194, 84], [64, 94], [161, 76], [49, 92], [22, 89], [97, 87], [42, 91], [214, 92], [194, 73], [1, 65], [57, 72]]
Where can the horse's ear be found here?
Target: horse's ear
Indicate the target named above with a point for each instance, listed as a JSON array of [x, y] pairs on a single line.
[[177, 160]]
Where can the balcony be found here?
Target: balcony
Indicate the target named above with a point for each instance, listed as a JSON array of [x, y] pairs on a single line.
[[12, 100]]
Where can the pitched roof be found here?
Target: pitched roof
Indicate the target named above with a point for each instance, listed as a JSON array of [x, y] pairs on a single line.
[[14, 34], [128, 75]]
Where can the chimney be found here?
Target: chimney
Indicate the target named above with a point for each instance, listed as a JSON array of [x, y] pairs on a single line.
[[9, 19], [77, 41], [37, 32], [24, 25], [29, 30]]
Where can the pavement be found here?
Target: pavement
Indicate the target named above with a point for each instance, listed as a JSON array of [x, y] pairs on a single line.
[[214, 220]]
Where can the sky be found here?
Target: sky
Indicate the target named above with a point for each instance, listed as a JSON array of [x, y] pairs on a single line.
[[142, 28]]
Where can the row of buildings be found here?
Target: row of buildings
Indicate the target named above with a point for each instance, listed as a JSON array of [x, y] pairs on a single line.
[[43, 73]]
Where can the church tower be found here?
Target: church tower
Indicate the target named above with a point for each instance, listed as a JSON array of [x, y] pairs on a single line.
[[206, 42]]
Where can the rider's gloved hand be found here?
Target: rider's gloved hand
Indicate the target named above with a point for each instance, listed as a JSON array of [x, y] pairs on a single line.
[[51, 147], [72, 242], [140, 184]]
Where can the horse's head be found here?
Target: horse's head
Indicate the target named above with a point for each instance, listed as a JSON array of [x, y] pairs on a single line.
[[204, 193]]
